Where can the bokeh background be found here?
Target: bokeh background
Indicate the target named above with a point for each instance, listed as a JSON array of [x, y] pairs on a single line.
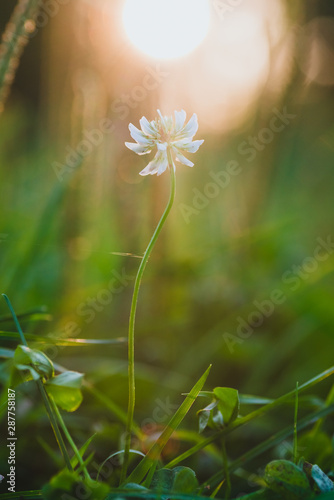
[[76, 215]]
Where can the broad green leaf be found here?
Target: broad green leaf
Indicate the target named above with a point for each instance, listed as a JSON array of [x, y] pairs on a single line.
[[30, 364], [37, 359], [154, 452], [287, 479], [66, 485], [185, 480], [66, 390], [177, 480], [163, 480], [68, 379], [228, 403]]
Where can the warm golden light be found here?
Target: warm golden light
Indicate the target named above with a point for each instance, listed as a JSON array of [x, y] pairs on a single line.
[[166, 29]]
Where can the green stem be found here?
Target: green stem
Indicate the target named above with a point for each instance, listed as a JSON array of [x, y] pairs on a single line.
[[226, 471], [54, 425], [43, 393], [16, 321], [131, 346], [295, 436], [69, 438]]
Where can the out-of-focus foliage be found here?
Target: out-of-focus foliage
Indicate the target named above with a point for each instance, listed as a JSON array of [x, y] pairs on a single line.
[[242, 276]]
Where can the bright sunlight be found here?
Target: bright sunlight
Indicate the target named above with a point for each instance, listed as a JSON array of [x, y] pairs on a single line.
[[166, 29]]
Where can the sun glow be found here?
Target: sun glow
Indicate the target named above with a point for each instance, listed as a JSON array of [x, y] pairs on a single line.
[[166, 29]]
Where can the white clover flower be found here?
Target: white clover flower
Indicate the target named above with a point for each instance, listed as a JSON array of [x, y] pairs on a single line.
[[166, 134]]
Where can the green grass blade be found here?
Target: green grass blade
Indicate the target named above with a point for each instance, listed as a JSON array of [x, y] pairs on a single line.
[[28, 495], [55, 457], [14, 336], [270, 443], [41, 233], [154, 452], [295, 436], [216, 491], [257, 413], [34, 315], [82, 451]]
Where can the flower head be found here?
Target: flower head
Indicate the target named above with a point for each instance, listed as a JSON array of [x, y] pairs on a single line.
[[167, 134]]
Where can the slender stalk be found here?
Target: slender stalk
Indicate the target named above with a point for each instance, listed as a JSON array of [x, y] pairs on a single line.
[[43, 393], [16, 321], [14, 39], [54, 425], [131, 346], [295, 437], [226, 471], [69, 438]]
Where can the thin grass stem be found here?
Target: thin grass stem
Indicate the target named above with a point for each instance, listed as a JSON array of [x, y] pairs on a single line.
[[43, 393], [295, 436], [226, 471], [14, 39], [69, 438]]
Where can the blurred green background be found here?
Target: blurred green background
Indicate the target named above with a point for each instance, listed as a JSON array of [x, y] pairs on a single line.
[[67, 225]]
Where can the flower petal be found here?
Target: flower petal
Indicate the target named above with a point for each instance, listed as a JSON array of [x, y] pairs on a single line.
[[191, 128], [158, 164], [189, 146], [162, 146], [183, 159], [138, 148], [138, 135], [150, 169], [146, 126], [163, 121], [163, 165], [180, 118]]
